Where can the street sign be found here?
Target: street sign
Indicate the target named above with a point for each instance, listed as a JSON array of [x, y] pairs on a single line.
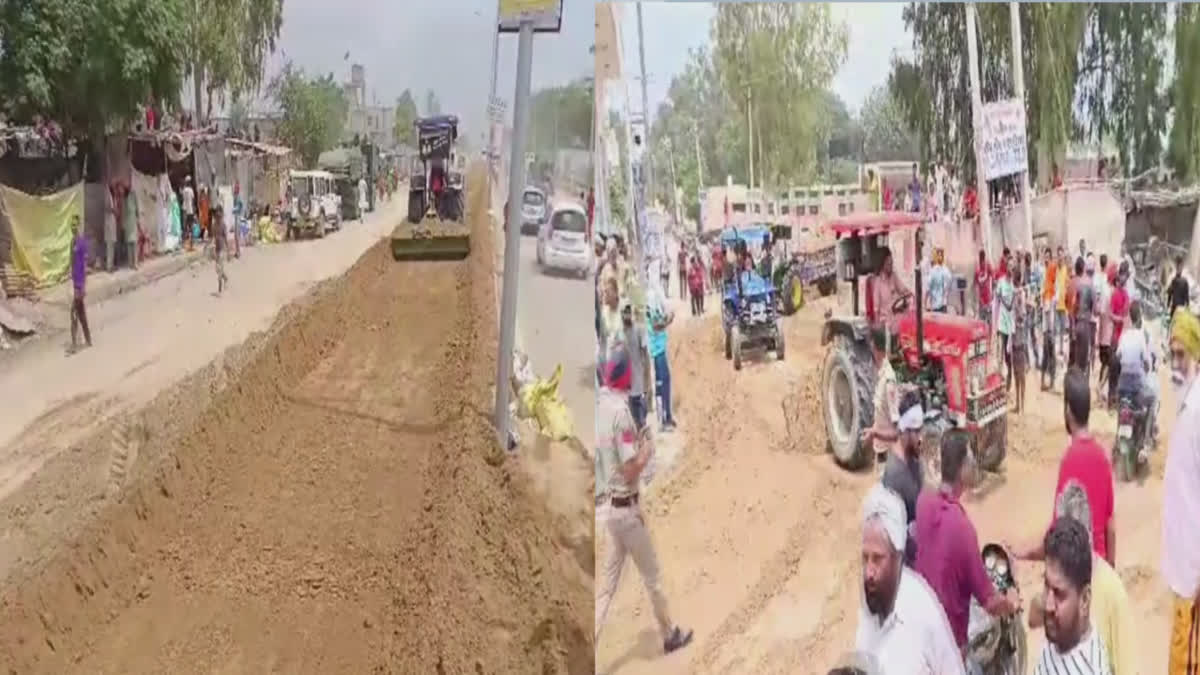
[[545, 15], [1004, 148], [496, 109]]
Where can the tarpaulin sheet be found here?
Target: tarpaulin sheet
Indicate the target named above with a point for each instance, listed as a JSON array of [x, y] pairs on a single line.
[[41, 231]]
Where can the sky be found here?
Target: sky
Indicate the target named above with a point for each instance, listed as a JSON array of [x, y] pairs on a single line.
[[672, 28], [444, 45]]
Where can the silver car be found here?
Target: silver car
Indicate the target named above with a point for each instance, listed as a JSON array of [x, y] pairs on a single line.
[[562, 242], [534, 210]]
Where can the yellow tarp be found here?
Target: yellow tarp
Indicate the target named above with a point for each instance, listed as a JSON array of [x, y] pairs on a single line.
[[540, 399], [41, 231]]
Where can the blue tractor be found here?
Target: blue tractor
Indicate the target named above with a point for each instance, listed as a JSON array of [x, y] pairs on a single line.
[[748, 309]]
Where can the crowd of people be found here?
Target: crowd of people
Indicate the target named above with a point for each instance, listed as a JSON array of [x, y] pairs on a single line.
[[922, 567]]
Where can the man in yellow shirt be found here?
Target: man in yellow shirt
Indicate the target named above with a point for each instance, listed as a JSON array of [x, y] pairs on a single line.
[[1109, 609]]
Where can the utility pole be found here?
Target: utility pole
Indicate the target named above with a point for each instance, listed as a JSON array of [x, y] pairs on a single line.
[[699, 164], [1019, 91], [674, 181], [985, 209], [512, 237], [749, 142], [493, 155], [647, 165]]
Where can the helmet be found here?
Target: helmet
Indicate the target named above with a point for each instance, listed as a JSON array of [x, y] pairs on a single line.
[[614, 370]]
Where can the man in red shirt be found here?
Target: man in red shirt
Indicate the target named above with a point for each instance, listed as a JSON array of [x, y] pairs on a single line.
[[948, 548], [983, 287], [1119, 309], [1085, 461]]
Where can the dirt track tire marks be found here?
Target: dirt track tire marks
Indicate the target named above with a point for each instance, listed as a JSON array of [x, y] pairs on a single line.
[[332, 510]]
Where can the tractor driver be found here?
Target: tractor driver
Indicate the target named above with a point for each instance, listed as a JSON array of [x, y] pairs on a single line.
[[437, 180], [887, 289]]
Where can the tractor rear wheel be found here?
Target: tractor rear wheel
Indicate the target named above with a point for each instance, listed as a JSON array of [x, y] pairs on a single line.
[[847, 392]]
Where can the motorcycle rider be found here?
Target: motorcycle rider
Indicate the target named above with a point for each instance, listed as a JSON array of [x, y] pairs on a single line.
[[948, 554], [919, 643], [1072, 644], [1135, 360]]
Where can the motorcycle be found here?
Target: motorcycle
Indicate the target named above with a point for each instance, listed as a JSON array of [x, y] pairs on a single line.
[[996, 645], [1136, 432]]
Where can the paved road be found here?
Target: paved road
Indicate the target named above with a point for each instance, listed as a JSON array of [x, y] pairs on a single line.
[[556, 318]]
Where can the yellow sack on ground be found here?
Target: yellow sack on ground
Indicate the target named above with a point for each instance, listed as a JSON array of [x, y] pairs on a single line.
[[41, 231], [541, 399]]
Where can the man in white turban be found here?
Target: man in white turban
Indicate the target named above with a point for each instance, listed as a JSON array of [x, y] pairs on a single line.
[[900, 622]]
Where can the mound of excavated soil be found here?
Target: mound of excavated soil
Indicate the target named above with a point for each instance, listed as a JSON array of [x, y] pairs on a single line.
[[338, 506]]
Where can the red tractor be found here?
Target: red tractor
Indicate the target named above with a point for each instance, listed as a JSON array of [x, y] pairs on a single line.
[[946, 357]]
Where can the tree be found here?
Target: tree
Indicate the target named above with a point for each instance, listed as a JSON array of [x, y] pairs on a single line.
[[775, 61], [239, 114], [885, 130], [561, 117], [406, 117], [313, 111], [1184, 150], [88, 65], [432, 105], [230, 40]]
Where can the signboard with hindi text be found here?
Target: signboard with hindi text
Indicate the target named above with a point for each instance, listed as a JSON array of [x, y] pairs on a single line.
[[545, 15], [1005, 151]]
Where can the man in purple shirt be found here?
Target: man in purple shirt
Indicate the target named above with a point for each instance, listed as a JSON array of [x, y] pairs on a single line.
[[947, 547], [79, 256]]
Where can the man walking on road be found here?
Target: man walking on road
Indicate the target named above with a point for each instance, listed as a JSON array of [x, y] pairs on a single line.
[[634, 340], [659, 319], [622, 453], [79, 255], [219, 245]]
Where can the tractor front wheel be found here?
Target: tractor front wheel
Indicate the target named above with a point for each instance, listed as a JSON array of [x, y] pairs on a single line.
[[848, 389]]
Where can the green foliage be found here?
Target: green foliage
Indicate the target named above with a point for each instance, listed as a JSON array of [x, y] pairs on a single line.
[[775, 61], [406, 117], [433, 106], [885, 129], [88, 65], [1094, 72], [785, 56], [230, 40], [1184, 148], [561, 117], [313, 111]]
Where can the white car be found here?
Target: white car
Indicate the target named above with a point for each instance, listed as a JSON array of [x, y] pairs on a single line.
[[315, 205], [562, 241]]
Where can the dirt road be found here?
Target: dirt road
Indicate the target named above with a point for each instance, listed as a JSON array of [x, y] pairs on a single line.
[[318, 500], [758, 532]]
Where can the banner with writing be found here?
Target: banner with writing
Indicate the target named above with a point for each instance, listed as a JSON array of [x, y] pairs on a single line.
[[1004, 146]]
